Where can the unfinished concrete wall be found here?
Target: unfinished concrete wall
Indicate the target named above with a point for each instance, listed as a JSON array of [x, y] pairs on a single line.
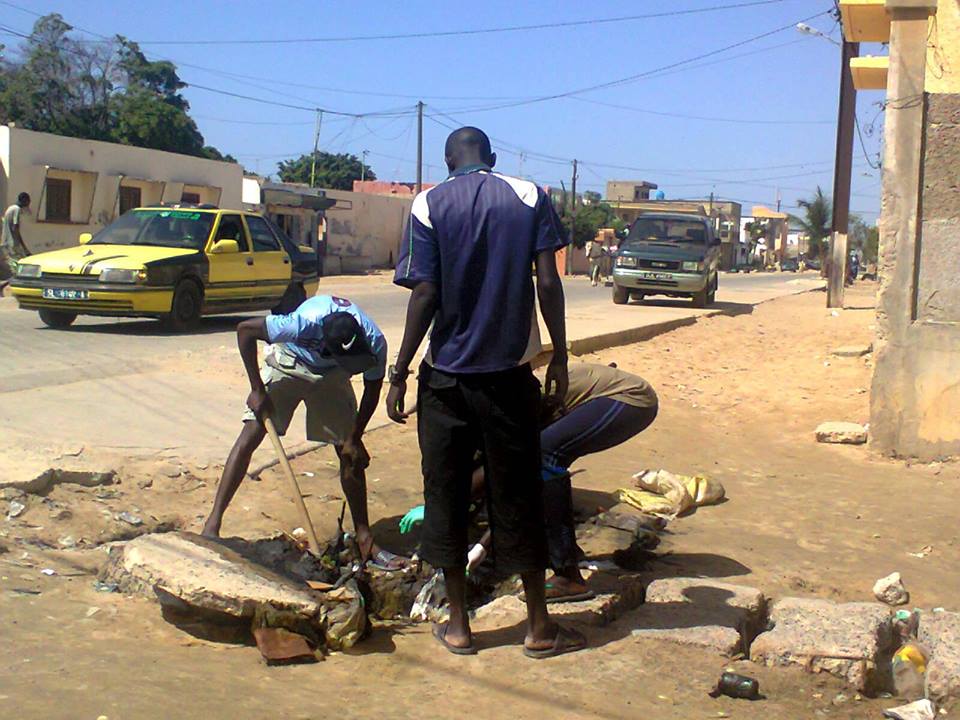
[[916, 383], [363, 231]]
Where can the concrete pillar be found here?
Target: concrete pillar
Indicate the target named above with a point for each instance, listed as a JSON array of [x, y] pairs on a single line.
[[916, 381]]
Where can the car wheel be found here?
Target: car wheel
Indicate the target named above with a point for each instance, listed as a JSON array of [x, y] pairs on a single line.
[[701, 298], [185, 308], [57, 318], [292, 298], [620, 295]]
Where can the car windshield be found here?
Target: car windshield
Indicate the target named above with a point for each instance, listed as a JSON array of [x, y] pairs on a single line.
[[672, 230], [162, 228]]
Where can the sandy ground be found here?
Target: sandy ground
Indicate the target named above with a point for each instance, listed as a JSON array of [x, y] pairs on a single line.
[[740, 397]]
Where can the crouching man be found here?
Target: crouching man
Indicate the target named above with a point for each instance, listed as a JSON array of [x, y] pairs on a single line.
[[316, 349]]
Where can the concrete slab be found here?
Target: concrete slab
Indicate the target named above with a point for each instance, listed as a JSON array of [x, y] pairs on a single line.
[[844, 639], [852, 351], [205, 574], [844, 433], [940, 633], [705, 613]]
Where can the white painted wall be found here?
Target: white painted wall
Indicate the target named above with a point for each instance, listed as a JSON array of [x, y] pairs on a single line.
[[96, 171], [364, 231]]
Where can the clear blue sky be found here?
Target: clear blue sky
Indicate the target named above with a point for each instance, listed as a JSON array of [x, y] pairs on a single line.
[[788, 78]]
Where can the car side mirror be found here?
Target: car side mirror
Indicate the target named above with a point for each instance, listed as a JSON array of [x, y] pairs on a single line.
[[221, 247], [85, 238]]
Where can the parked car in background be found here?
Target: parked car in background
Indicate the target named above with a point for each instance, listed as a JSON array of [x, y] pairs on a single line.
[[175, 263], [811, 263], [743, 268], [668, 254], [789, 265]]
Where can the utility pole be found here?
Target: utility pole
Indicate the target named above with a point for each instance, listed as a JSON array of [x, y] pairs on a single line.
[[419, 146], [316, 148], [842, 171], [573, 219], [363, 165]]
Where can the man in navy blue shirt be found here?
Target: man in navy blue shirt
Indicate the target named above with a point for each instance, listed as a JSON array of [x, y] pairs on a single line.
[[467, 254]]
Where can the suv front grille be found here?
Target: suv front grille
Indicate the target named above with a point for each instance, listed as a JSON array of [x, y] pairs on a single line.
[[658, 264]]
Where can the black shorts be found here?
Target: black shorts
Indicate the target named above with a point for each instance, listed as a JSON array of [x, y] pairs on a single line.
[[496, 413]]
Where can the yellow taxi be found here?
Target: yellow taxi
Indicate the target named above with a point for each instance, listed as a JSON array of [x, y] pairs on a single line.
[[176, 263]]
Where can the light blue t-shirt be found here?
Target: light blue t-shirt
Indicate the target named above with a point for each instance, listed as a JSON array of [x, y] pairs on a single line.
[[301, 332]]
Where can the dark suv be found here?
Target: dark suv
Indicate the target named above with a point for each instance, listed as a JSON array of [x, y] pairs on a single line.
[[668, 254]]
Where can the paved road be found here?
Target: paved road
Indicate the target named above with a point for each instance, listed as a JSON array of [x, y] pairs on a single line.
[[126, 384]]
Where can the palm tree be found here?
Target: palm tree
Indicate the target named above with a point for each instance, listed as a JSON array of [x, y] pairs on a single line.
[[817, 222]]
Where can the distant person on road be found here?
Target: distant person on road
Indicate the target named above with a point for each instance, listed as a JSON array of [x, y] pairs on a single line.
[[12, 247], [466, 255], [316, 349], [594, 252]]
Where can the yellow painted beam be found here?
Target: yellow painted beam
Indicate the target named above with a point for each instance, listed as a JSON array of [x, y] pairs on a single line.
[[870, 72], [865, 20]]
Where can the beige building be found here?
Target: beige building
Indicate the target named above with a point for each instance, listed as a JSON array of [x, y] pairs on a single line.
[[628, 190], [363, 231], [79, 185], [916, 383]]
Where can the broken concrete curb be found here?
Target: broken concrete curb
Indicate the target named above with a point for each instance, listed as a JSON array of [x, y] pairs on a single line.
[[701, 612], [44, 482], [842, 433], [940, 633], [843, 639], [852, 351]]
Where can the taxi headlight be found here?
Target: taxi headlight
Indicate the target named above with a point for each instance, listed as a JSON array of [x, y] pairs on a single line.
[[28, 271], [118, 275]]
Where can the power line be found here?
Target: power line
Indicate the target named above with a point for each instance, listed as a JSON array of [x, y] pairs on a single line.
[[455, 33], [738, 121], [641, 75]]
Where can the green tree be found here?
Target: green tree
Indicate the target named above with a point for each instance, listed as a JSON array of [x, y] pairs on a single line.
[[871, 246], [591, 218], [816, 222], [335, 171], [101, 91]]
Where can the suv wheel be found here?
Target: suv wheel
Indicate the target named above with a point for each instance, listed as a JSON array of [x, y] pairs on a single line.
[[701, 298], [185, 309], [57, 319], [620, 295]]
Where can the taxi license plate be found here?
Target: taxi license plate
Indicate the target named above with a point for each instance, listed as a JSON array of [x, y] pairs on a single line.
[[656, 276], [64, 294]]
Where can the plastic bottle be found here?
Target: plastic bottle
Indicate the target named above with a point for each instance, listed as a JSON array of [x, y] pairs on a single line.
[[909, 663], [737, 686]]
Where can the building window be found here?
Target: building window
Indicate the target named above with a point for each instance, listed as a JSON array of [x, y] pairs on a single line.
[[130, 198], [190, 197], [58, 200]]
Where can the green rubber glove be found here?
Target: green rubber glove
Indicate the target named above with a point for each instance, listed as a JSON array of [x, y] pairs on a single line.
[[413, 517]]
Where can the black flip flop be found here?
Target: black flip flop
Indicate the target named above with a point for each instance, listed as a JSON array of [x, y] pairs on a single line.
[[440, 634], [566, 641]]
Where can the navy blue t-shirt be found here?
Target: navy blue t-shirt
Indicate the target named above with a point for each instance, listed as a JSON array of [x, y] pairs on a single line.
[[475, 236]]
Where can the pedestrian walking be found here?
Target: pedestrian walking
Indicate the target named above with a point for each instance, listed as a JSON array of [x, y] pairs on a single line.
[[12, 247], [594, 252], [466, 255]]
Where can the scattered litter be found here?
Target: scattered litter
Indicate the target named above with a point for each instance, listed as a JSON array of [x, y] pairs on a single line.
[[919, 710], [741, 687], [130, 518], [834, 313], [664, 494], [49, 572], [431, 600], [67, 542], [307, 473], [16, 509], [924, 551], [91, 611], [101, 586], [890, 590], [840, 698], [599, 565], [280, 646]]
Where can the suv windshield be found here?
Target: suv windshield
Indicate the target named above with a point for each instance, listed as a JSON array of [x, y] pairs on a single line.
[[672, 230], [162, 228]]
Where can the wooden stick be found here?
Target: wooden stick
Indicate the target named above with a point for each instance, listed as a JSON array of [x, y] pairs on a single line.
[[295, 486]]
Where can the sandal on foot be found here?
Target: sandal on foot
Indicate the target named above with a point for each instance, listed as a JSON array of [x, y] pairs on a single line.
[[440, 634], [566, 641], [556, 595]]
